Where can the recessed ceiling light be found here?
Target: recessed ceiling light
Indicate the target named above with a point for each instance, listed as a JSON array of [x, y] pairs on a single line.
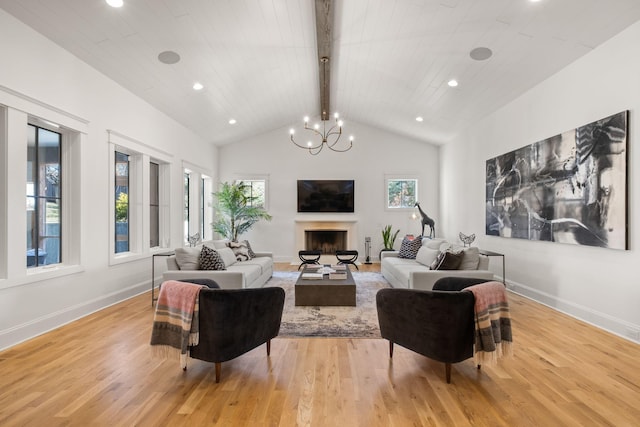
[[115, 3], [168, 57], [453, 83], [232, 121], [419, 119], [197, 86], [480, 53]]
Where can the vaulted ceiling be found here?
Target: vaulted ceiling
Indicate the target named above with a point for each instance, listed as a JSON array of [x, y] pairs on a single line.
[[391, 59]]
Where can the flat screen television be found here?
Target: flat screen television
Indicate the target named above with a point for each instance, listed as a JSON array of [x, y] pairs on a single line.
[[325, 195]]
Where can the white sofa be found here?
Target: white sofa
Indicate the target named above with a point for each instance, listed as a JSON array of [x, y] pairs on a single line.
[[415, 273], [252, 273]]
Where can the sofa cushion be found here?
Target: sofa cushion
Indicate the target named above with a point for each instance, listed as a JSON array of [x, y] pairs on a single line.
[[448, 260], [426, 255], [409, 247], [240, 250], [227, 256], [187, 258], [264, 262], [251, 272], [210, 259], [470, 258], [402, 267]]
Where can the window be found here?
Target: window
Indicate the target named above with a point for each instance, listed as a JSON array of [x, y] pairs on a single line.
[[154, 205], [44, 198], [140, 204], [186, 205], [122, 202], [401, 193], [256, 191]]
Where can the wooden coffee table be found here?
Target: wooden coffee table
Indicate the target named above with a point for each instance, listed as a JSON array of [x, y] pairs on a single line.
[[325, 291]]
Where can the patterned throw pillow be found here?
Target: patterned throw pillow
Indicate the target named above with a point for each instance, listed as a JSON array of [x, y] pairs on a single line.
[[240, 250], [251, 253], [210, 259], [409, 247]]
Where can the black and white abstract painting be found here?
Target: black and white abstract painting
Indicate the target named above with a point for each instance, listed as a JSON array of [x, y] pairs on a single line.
[[570, 188]]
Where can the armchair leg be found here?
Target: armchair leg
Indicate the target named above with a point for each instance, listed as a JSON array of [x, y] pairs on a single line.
[[447, 367], [269, 348], [390, 349], [218, 369]]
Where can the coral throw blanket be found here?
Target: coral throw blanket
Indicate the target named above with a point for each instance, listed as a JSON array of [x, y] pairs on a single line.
[[493, 324], [175, 323]]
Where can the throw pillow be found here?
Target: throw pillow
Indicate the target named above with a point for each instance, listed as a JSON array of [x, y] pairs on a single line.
[[240, 250], [251, 253], [187, 258], [227, 256], [470, 259], [210, 259], [426, 255], [449, 260], [409, 247]]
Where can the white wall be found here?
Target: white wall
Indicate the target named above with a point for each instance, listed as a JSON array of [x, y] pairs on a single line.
[[37, 72], [594, 284], [374, 154]]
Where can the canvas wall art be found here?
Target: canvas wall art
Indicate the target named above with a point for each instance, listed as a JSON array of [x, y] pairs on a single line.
[[570, 188]]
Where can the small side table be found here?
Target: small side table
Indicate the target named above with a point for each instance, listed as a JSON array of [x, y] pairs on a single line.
[[490, 254], [153, 272], [347, 257]]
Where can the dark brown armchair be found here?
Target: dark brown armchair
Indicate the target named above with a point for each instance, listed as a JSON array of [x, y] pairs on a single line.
[[438, 324], [235, 321]]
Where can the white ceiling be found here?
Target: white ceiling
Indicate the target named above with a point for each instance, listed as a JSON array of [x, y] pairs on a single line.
[[391, 61]]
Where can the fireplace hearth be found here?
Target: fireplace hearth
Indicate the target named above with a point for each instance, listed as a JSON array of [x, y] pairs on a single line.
[[326, 241]]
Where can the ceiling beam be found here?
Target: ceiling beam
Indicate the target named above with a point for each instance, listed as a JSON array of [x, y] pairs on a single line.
[[324, 27]]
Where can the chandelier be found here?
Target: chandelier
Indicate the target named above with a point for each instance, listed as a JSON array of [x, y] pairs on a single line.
[[329, 137]]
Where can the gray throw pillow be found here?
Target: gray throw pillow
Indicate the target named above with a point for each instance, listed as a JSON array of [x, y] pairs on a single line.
[[470, 259], [210, 259], [187, 258], [426, 255], [227, 256]]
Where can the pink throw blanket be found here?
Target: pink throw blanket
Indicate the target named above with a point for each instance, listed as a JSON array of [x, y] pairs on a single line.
[[175, 322], [493, 324]]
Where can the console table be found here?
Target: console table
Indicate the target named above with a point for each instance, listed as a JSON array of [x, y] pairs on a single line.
[[490, 254], [153, 272]]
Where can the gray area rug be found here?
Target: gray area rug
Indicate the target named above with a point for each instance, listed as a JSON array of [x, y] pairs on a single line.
[[360, 321]]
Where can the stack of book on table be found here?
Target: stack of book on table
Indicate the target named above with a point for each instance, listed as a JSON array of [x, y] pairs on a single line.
[[312, 276]]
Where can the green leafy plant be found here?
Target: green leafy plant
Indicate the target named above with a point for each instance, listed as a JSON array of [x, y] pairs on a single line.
[[389, 239], [122, 207], [235, 212]]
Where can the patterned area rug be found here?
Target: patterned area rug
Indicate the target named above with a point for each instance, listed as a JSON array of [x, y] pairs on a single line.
[[360, 321]]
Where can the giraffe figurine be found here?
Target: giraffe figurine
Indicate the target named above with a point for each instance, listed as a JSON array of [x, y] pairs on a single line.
[[427, 221]]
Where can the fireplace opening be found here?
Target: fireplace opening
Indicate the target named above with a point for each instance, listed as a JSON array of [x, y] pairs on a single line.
[[326, 241]]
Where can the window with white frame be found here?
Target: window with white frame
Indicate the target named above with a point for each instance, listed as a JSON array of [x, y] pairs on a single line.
[[44, 198], [401, 192], [140, 198], [40, 218], [197, 207], [255, 191]]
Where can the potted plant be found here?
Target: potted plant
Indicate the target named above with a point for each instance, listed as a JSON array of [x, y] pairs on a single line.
[[388, 238], [235, 212]]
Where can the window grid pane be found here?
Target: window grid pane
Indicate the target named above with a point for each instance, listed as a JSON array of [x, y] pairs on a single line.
[[122, 202], [44, 199], [154, 205], [401, 193]]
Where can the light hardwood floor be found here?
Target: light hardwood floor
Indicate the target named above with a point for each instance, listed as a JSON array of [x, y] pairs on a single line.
[[98, 371]]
